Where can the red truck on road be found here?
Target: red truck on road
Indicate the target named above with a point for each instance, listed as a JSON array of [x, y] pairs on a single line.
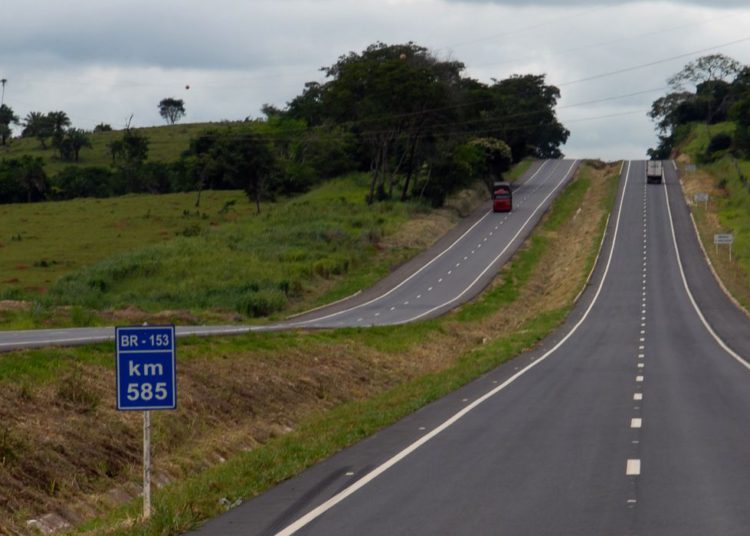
[[502, 197]]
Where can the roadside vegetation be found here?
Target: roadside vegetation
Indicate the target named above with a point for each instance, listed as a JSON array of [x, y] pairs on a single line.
[[727, 211], [704, 123], [157, 258], [256, 409]]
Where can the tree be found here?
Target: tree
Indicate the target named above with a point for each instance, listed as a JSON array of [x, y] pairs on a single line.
[[129, 154], [665, 110], [72, 142], [718, 81], [171, 109], [706, 69], [390, 96], [37, 125], [238, 159], [497, 158], [7, 118], [522, 113], [103, 127], [32, 177], [58, 121]]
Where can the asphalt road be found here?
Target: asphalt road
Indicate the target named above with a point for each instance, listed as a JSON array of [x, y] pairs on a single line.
[[452, 272], [632, 419]]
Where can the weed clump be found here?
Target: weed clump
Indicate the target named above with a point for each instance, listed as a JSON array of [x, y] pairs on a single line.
[[73, 390], [261, 303]]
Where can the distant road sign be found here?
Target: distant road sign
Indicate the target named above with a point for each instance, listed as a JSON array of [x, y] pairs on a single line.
[[723, 238], [145, 362], [690, 168], [701, 197]]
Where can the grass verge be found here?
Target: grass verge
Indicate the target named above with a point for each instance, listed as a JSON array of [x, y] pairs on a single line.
[[728, 211]]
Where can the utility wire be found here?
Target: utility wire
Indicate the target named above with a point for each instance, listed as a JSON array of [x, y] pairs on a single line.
[[652, 63]]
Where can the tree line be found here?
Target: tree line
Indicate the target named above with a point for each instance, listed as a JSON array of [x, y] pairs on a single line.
[[413, 121], [710, 90]]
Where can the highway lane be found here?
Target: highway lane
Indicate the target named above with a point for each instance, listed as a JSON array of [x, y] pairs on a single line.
[[633, 419], [446, 276], [458, 272]]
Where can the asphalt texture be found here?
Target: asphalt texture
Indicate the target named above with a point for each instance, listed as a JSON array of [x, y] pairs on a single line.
[[448, 274], [632, 419]]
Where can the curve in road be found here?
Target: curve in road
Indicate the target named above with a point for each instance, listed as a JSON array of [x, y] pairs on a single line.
[[634, 419], [446, 277]]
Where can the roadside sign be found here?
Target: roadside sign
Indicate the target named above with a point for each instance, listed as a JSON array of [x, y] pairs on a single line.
[[146, 368], [690, 168], [723, 239], [146, 380], [701, 197]]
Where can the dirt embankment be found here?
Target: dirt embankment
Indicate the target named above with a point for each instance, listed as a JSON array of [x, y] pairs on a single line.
[[64, 449]]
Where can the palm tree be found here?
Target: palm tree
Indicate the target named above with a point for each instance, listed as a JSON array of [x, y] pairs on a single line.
[[77, 139], [38, 125], [58, 120]]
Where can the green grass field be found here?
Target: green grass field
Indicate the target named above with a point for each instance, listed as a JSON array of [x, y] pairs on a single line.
[[41, 242], [166, 144], [159, 252]]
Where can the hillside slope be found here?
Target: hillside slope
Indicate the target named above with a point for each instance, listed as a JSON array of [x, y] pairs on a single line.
[[728, 211], [166, 145]]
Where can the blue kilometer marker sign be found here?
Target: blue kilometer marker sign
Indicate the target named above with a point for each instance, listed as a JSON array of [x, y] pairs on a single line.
[[145, 362]]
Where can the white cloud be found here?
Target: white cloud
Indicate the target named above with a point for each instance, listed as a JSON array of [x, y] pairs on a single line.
[[102, 61]]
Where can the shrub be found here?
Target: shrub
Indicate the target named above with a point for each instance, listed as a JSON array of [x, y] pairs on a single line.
[[261, 303], [719, 142]]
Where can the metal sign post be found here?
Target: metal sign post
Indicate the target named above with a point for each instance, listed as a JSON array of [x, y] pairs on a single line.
[[146, 380], [724, 239], [146, 464], [701, 197]]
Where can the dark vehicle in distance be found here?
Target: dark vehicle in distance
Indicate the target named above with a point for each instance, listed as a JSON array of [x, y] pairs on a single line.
[[502, 197]]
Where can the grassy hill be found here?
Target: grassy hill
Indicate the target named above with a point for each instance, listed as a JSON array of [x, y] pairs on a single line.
[[166, 145], [155, 253], [729, 206]]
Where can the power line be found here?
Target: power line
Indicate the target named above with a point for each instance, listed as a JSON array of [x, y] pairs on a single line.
[[652, 63]]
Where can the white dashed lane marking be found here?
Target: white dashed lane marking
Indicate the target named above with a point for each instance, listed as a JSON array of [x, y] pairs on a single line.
[[633, 467]]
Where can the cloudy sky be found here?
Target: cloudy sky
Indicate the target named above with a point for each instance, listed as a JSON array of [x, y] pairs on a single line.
[[103, 60]]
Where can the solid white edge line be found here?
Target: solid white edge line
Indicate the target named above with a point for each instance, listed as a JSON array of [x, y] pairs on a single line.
[[181, 332], [724, 289], [380, 297], [491, 263], [702, 318], [372, 475]]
